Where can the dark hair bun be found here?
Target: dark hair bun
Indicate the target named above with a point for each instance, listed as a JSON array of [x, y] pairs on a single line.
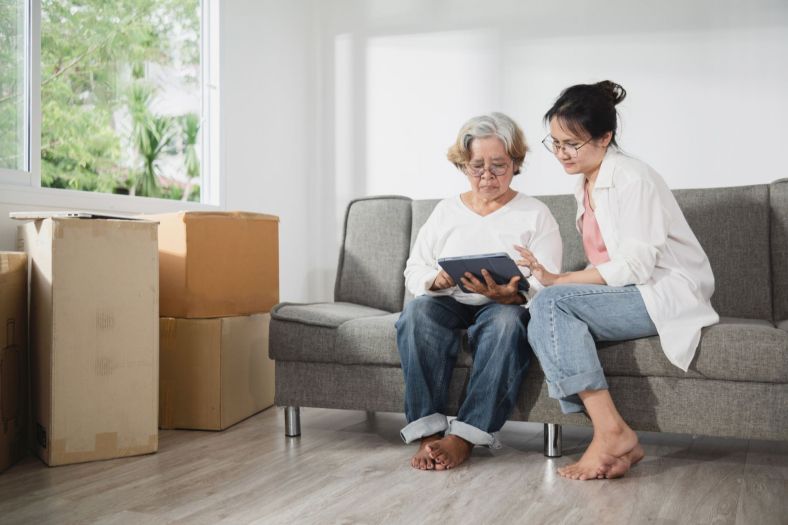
[[615, 92]]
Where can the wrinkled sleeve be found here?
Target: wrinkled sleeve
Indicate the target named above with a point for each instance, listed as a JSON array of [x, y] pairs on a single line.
[[547, 247], [642, 226], [422, 266]]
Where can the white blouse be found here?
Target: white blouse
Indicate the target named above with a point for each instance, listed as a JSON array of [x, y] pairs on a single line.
[[454, 230], [651, 245]]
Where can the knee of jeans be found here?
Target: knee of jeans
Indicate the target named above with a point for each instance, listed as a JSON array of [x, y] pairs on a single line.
[[510, 320], [413, 310]]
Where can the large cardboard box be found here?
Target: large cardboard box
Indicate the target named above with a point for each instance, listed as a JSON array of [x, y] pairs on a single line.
[[13, 357], [218, 264], [94, 330], [214, 372]]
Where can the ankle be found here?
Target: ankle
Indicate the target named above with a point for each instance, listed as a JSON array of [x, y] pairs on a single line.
[[462, 441], [612, 430]]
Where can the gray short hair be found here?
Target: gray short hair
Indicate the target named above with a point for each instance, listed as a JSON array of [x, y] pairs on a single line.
[[492, 125]]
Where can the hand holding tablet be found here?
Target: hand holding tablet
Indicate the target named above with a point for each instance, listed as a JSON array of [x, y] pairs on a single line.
[[500, 266]]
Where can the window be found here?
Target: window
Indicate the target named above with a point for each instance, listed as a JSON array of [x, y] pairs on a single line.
[[126, 96]]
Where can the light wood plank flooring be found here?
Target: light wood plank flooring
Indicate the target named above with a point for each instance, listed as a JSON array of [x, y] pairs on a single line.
[[349, 467]]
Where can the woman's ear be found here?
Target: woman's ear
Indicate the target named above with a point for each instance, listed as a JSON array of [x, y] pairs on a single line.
[[604, 141]]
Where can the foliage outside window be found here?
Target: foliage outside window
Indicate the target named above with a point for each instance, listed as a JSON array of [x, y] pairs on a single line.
[[13, 121], [120, 96]]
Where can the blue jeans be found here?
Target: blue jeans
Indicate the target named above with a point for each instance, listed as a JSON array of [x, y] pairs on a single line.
[[429, 333], [566, 323]]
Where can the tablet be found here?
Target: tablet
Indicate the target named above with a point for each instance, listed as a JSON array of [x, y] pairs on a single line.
[[501, 267]]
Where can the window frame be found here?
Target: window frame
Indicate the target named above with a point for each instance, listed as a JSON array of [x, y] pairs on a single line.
[[23, 187]]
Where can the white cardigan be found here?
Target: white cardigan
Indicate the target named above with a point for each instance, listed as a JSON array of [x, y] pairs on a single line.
[[651, 245]]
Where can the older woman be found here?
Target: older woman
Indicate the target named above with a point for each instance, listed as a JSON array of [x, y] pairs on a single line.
[[490, 217]]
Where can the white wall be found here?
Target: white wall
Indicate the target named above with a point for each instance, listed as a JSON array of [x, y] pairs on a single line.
[[706, 84], [324, 101]]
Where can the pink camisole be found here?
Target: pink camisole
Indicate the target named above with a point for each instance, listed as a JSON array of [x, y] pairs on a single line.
[[594, 245]]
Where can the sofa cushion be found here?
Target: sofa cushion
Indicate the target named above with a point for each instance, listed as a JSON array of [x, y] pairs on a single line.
[[374, 249], [307, 332], [322, 314], [373, 340], [733, 350], [732, 224]]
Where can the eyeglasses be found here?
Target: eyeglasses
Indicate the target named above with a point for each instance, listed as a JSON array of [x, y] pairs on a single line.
[[553, 146], [496, 170]]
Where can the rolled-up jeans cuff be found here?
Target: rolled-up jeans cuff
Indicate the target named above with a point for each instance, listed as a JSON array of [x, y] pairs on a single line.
[[471, 434], [571, 404], [594, 380], [423, 427]]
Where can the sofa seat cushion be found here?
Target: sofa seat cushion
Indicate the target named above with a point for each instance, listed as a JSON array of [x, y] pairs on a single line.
[[735, 350], [307, 332], [373, 341], [341, 333], [322, 314]]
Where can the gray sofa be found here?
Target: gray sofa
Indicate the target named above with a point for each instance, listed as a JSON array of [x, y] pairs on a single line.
[[343, 354]]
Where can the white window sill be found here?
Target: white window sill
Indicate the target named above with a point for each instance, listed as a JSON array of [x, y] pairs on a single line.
[[53, 198]]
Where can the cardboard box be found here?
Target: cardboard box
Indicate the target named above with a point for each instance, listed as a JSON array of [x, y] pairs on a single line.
[[94, 319], [13, 358], [214, 372], [218, 264]]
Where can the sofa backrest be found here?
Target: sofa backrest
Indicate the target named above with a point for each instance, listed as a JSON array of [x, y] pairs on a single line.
[[778, 196], [375, 246], [732, 225]]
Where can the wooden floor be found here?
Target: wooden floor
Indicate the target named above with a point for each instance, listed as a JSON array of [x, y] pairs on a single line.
[[351, 468]]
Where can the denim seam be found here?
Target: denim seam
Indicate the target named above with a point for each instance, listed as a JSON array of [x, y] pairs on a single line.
[[553, 336]]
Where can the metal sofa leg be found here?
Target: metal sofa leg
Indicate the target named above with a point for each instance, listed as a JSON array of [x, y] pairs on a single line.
[[292, 421], [552, 440]]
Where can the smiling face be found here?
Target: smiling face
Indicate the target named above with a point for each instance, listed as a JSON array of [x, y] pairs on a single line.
[[489, 153], [589, 155]]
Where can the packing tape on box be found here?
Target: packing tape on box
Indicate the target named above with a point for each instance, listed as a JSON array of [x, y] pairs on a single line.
[[106, 448]]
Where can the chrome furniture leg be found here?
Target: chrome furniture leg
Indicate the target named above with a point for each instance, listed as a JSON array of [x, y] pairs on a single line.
[[292, 421], [552, 440]]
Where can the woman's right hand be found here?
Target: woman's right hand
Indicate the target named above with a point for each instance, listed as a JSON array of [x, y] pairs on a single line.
[[528, 260], [442, 281]]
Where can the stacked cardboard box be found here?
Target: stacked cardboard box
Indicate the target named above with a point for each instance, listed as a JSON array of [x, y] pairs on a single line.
[[13, 357], [219, 278], [94, 330]]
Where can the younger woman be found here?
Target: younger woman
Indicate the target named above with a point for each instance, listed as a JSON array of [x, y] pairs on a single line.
[[647, 275]]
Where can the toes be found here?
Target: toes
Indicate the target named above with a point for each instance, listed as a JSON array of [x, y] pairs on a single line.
[[439, 456]]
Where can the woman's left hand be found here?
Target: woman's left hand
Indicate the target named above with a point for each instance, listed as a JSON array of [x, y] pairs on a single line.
[[501, 293]]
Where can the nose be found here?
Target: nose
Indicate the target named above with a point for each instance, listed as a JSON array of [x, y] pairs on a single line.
[[562, 154], [487, 176]]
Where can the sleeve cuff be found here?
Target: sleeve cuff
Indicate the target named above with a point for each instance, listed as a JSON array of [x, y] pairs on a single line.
[[427, 282], [615, 273]]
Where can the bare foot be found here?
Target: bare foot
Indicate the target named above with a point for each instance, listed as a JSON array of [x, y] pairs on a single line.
[[422, 460], [625, 462], [449, 451], [605, 455]]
